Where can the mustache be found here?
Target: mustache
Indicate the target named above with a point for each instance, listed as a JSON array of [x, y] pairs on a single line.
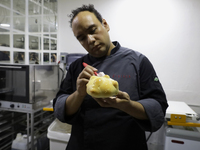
[[94, 46]]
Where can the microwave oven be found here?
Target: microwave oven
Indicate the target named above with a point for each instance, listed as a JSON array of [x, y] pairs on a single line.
[[28, 83]]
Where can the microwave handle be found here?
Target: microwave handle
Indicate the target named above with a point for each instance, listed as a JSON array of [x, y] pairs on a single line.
[[14, 67]]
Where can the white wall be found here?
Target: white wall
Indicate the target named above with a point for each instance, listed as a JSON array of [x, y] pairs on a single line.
[[167, 32]]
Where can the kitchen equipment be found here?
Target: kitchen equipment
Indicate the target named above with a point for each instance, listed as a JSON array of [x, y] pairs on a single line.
[[182, 130], [71, 58], [184, 138], [21, 85], [178, 107]]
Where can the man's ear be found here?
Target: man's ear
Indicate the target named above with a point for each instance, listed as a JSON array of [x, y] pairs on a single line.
[[105, 24]]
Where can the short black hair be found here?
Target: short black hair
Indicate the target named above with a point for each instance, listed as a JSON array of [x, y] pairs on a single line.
[[89, 8]]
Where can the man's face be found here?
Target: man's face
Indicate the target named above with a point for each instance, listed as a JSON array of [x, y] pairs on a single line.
[[92, 34]]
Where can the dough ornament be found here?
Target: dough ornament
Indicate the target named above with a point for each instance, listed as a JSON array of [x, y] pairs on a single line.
[[102, 87]]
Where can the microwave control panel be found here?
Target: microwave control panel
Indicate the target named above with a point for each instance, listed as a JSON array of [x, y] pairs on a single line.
[[15, 105]]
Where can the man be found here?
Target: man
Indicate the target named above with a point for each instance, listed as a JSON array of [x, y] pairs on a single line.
[[113, 123]]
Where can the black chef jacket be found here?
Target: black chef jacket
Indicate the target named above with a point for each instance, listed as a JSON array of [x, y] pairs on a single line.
[[98, 128]]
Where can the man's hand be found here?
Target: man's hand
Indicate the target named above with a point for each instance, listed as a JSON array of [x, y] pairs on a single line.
[[114, 101], [122, 102], [74, 101], [83, 79]]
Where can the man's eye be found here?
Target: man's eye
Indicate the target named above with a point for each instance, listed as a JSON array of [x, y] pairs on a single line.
[[82, 38], [93, 30]]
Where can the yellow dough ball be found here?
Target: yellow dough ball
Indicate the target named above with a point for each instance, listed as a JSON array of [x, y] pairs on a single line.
[[102, 87]]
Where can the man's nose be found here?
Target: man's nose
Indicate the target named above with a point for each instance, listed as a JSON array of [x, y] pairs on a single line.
[[91, 39]]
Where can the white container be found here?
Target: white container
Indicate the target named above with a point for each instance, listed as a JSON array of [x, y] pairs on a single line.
[[182, 139], [58, 134], [20, 142]]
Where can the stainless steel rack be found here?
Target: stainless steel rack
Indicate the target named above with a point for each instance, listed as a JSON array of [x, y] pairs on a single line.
[[32, 122]]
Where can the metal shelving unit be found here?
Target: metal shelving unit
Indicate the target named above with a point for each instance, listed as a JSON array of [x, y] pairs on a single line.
[[7, 128], [33, 123], [28, 35]]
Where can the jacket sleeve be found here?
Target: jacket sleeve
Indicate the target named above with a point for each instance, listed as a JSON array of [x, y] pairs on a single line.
[[67, 87], [152, 97]]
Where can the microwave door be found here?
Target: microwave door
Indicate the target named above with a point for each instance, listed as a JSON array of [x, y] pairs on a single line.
[[6, 88], [14, 85]]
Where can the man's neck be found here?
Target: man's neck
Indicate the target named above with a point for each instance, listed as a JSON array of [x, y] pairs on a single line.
[[111, 47]]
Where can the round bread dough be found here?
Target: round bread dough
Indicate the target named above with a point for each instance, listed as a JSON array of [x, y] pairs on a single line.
[[102, 87]]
